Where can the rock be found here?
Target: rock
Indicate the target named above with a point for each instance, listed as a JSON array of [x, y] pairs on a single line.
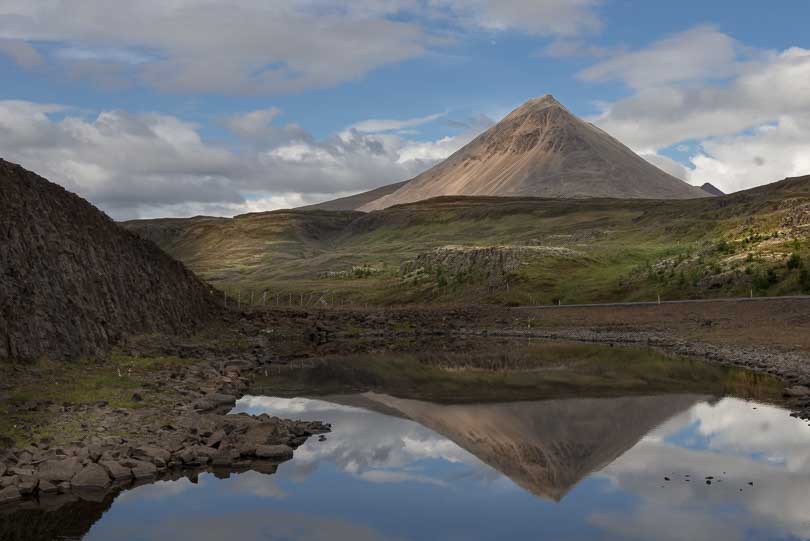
[[46, 487], [64, 487], [59, 470], [215, 439], [28, 487], [2, 469], [214, 401], [274, 452], [9, 481], [225, 457], [797, 391], [10, 494], [137, 397], [91, 476], [156, 455], [140, 468], [116, 471]]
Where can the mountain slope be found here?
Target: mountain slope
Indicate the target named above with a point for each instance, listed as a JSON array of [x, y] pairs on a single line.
[[356, 201], [73, 281], [542, 150], [507, 249]]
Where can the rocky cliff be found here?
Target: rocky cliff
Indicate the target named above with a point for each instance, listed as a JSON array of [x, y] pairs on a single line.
[[72, 282]]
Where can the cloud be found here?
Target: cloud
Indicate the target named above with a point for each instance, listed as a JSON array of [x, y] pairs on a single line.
[[539, 17], [20, 52], [696, 54], [150, 165], [262, 46], [745, 110], [383, 125]]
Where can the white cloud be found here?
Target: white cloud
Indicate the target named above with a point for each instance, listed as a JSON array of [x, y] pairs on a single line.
[[696, 54], [262, 46], [382, 125], [746, 110], [152, 165]]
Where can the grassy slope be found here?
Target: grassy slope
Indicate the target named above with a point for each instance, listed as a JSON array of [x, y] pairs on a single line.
[[628, 250]]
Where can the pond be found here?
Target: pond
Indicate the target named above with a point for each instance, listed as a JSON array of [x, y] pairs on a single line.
[[677, 466]]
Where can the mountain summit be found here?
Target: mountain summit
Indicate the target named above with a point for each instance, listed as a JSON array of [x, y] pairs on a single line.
[[543, 150]]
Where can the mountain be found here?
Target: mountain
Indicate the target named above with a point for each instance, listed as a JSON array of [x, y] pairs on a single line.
[[712, 190], [356, 201], [72, 281], [546, 447], [541, 150]]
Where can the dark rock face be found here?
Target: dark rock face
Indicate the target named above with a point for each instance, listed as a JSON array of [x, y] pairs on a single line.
[[712, 190], [72, 282]]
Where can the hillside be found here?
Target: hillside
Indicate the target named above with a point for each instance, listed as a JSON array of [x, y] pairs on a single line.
[[507, 250], [73, 281], [539, 150]]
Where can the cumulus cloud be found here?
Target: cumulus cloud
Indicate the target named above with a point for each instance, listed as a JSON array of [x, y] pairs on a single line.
[[743, 108], [261, 46], [150, 165]]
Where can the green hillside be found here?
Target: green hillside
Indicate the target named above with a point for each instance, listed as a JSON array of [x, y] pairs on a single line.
[[506, 250]]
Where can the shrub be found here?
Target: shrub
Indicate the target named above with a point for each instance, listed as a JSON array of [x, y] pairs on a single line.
[[804, 281], [794, 261]]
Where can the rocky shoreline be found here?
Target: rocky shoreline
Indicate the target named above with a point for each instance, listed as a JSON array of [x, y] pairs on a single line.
[[193, 436]]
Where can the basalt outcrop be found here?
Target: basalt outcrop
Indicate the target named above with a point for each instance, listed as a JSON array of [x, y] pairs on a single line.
[[72, 281]]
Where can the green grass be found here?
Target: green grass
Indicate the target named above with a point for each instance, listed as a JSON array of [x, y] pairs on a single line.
[[629, 250], [114, 381]]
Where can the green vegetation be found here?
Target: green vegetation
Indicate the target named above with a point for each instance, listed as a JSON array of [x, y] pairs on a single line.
[[29, 411], [516, 372], [572, 251]]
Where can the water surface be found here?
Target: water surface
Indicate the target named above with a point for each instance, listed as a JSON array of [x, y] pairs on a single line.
[[567, 469]]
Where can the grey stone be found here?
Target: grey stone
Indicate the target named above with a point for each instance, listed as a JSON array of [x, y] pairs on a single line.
[[115, 470], [797, 391], [27, 487], [46, 487], [92, 476], [140, 468], [2, 469], [10, 494], [274, 452], [59, 470], [152, 454]]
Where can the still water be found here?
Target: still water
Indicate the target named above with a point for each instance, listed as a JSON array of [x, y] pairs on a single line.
[[572, 469]]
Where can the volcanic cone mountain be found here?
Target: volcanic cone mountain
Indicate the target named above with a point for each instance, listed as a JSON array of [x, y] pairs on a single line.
[[542, 150], [72, 281]]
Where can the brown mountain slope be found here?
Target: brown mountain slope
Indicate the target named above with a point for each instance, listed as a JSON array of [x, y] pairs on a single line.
[[72, 281], [356, 201], [542, 150]]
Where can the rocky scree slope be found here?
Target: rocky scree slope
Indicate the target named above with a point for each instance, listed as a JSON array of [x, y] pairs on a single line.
[[72, 281]]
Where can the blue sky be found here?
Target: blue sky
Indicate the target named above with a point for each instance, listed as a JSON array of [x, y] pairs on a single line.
[[186, 107]]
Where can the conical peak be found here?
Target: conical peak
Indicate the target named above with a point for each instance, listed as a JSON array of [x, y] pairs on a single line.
[[534, 105]]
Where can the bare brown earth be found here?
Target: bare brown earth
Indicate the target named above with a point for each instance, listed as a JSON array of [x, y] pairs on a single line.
[[541, 150]]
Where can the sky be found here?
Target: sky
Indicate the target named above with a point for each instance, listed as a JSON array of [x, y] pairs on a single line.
[[184, 107]]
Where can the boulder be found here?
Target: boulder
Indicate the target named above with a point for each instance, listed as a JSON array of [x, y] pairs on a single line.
[[140, 468], [274, 452], [92, 476], [797, 391], [56, 471], [27, 487], [214, 401], [46, 487], [8, 481], [10, 494], [116, 471], [156, 455], [2, 469]]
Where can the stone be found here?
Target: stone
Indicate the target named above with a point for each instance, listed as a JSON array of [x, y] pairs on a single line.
[[140, 468], [116, 471], [59, 470], [27, 487], [10, 494], [91, 476], [274, 452], [46, 487], [214, 401], [797, 391], [2, 469], [156, 455], [64, 487], [11, 480]]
